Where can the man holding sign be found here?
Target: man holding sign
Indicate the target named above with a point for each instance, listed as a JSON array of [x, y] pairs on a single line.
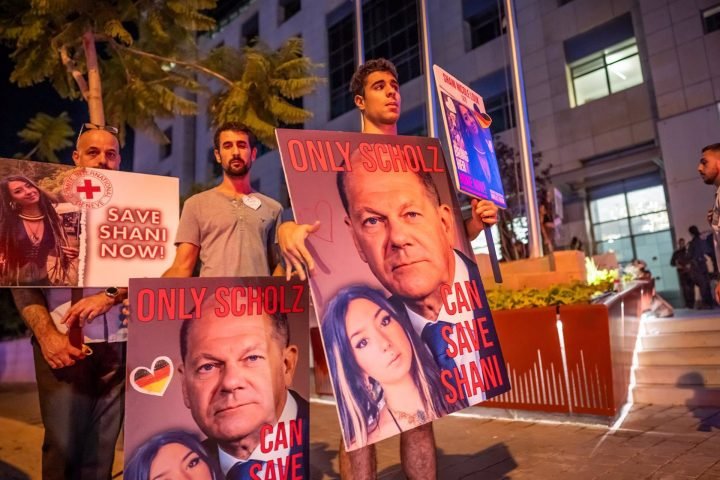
[[80, 390], [403, 232]]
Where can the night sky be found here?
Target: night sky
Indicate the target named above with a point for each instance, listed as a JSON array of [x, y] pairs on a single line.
[[19, 105]]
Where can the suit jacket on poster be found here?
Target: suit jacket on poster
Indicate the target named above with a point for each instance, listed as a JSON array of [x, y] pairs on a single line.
[[478, 312], [303, 413]]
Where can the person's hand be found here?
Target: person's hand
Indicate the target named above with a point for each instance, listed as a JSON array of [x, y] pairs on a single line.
[[717, 292], [86, 309], [291, 238], [484, 211], [125, 311], [57, 350], [70, 253], [709, 217]]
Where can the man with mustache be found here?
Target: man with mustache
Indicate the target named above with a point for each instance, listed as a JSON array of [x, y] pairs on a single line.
[[230, 228], [236, 375]]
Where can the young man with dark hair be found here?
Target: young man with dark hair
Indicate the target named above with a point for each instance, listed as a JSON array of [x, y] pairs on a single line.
[[377, 96], [230, 228], [709, 169]]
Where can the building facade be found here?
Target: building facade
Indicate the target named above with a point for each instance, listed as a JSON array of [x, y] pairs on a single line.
[[621, 97]]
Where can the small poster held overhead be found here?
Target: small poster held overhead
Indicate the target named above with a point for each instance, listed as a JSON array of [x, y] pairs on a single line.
[[471, 145]]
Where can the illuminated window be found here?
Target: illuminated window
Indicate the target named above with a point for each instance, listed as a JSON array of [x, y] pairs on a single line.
[[610, 71], [603, 61], [711, 19]]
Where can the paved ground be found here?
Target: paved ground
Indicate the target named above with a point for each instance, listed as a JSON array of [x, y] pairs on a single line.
[[654, 442]]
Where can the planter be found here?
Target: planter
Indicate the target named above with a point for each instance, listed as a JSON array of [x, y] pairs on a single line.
[[576, 361]]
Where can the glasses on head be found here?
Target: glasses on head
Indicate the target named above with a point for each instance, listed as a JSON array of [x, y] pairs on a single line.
[[92, 126]]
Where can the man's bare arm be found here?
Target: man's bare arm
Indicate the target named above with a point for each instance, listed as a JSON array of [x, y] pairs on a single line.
[[87, 308], [185, 258], [55, 347]]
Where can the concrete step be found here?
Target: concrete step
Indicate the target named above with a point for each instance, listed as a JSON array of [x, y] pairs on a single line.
[[674, 375], [681, 340], [680, 356], [675, 325], [689, 396]]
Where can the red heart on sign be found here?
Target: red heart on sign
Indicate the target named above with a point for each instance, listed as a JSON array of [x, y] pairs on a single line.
[[322, 212]]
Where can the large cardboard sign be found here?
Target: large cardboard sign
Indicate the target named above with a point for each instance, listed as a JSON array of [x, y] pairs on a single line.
[[405, 323], [218, 372], [63, 226], [471, 146]]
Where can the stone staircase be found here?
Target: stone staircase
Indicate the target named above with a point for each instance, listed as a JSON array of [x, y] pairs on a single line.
[[679, 363]]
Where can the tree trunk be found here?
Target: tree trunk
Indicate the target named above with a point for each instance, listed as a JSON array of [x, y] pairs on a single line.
[[94, 98]]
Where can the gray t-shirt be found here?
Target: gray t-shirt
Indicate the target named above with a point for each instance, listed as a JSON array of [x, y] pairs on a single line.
[[235, 239]]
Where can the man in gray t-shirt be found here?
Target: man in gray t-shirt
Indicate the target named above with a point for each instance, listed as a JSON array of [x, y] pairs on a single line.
[[230, 228]]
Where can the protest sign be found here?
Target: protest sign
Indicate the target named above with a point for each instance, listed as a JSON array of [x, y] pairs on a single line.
[[467, 126], [220, 367], [405, 324], [64, 226]]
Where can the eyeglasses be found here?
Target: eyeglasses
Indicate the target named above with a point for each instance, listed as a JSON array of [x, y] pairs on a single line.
[[92, 126]]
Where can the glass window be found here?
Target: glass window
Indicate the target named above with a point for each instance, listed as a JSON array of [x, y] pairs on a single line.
[[608, 208], [649, 223], [483, 22], [622, 248], [711, 19], [341, 64], [646, 200], [288, 8], [592, 86], [610, 71], [391, 31], [611, 230]]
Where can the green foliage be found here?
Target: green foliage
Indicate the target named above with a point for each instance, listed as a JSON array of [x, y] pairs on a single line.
[[263, 82], [150, 64], [501, 299], [509, 165], [47, 135], [599, 277]]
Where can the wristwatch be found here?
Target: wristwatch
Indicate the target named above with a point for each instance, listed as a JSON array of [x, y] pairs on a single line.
[[112, 292]]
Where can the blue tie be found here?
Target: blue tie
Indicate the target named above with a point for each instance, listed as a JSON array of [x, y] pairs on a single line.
[[241, 470], [432, 336]]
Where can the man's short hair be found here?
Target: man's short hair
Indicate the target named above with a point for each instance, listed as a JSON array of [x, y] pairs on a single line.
[[425, 178], [713, 147], [694, 230], [233, 127], [357, 83], [281, 331]]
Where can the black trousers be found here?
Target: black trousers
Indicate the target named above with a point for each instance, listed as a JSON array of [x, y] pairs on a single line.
[[82, 409]]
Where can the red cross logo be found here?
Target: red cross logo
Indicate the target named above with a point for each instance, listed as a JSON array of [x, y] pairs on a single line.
[[88, 189]]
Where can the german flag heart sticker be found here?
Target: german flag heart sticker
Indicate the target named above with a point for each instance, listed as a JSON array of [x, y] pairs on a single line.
[[153, 380]]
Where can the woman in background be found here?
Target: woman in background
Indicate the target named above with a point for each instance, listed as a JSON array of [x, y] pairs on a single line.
[[30, 232], [171, 455], [385, 380], [478, 142]]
